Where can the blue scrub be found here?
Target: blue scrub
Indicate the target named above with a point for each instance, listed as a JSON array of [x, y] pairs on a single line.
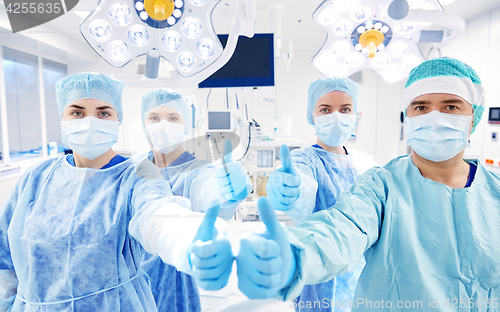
[[427, 246], [65, 232], [334, 174], [175, 291]]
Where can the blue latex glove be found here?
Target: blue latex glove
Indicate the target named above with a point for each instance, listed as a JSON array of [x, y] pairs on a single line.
[[283, 186], [211, 257], [231, 176], [265, 261]]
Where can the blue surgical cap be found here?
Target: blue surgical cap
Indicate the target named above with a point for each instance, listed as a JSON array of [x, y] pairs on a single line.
[[446, 75], [167, 98], [326, 85], [89, 86]]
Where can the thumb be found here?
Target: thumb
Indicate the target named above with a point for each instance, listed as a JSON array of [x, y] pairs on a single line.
[[286, 160], [227, 153], [207, 230], [268, 216]]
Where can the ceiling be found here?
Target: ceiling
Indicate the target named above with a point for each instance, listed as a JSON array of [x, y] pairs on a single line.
[[296, 18]]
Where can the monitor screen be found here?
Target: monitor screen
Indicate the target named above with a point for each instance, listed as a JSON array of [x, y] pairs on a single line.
[[219, 120], [252, 64], [494, 114]]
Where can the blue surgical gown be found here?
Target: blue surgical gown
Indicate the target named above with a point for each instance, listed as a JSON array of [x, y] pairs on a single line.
[[334, 174], [173, 290], [428, 247], [65, 232]]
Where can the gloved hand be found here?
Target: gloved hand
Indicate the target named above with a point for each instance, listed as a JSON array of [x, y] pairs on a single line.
[[265, 261], [231, 176], [283, 186], [211, 257]]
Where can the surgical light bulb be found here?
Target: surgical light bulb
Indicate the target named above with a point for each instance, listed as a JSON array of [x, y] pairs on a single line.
[[205, 48], [179, 4], [143, 15], [345, 5], [327, 17], [177, 13], [171, 20], [100, 30], [381, 47], [354, 59], [341, 48], [120, 14], [361, 29], [392, 73], [369, 25], [398, 48], [410, 62], [360, 14], [191, 27], [358, 47], [342, 27], [138, 35], [118, 51], [198, 2], [139, 6], [186, 61], [405, 28], [171, 41], [377, 25], [381, 59]]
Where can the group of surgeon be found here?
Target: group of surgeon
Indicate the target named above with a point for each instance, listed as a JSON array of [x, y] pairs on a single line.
[[95, 231]]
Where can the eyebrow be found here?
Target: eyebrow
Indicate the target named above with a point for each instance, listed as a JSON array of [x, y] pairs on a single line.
[[105, 107], [77, 106], [450, 101]]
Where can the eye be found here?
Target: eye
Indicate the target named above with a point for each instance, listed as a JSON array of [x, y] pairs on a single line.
[[153, 118], [325, 110], [420, 108], [451, 107], [77, 113], [173, 119], [346, 110], [104, 114]]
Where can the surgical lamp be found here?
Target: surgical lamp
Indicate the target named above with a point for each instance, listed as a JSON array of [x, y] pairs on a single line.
[[380, 35], [180, 31]]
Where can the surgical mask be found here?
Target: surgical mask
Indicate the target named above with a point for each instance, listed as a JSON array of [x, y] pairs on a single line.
[[89, 137], [165, 136], [334, 129], [438, 136]]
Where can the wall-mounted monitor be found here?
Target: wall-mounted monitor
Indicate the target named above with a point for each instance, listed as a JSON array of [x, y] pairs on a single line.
[[494, 117], [252, 64]]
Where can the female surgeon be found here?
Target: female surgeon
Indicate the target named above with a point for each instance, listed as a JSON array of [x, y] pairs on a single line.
[[73, 226], [166, 116], [331, 110]]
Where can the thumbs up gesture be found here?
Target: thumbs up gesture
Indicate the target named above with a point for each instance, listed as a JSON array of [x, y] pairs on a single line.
[[265, 261], [211, 257], [283, 186], [233, 181]]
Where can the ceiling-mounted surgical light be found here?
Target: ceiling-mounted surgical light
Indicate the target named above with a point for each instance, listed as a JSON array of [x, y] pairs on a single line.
[[179, 31], [380, 35]]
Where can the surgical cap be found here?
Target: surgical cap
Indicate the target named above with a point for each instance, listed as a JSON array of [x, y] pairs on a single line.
[[167, 98], [446, 75], [326, 85], [89, 86]]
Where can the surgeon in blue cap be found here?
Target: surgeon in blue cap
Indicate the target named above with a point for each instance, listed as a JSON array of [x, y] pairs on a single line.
[[322, 172], [74, 228], [427, 223], [166, 116]]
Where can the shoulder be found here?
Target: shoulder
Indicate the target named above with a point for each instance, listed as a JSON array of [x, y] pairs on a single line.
[[387, 172], [362, 160], [492, 177]]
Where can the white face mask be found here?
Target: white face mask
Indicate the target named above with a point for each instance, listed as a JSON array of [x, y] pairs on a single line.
[[165, 136], [438, 136], [334, 129], [89, 137]]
